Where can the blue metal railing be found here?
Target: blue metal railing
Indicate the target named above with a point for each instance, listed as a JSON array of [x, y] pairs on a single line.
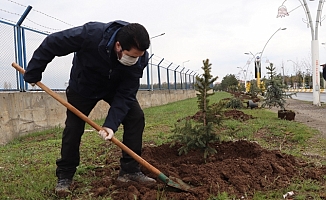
[[26, 40]]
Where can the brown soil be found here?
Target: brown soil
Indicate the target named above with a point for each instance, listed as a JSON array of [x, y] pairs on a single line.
[[240, 168], [232, 114], [237, 115]]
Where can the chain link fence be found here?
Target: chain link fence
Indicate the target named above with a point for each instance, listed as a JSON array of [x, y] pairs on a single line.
[[18, 44], [8, 76]]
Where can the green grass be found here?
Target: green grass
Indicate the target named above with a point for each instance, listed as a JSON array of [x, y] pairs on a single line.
[[27, 164]]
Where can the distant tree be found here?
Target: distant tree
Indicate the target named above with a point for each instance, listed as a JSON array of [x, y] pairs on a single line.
[[229, 82], [217, 87]]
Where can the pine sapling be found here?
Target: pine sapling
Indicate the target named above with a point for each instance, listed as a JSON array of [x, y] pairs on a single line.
[[275, 95], [202, 134]]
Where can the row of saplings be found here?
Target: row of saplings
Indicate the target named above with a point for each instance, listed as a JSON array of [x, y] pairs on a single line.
[[274, 96], [201, 134]]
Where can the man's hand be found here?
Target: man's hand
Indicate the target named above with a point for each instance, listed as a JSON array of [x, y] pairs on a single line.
[[106, 133]]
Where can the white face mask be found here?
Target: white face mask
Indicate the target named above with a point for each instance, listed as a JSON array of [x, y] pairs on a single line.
[[128, 60]]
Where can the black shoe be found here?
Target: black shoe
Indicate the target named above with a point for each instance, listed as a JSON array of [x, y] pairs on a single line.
[[63, 187], [137, 177]]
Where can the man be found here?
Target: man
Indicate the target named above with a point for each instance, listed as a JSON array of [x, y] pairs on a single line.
[[108, 63]]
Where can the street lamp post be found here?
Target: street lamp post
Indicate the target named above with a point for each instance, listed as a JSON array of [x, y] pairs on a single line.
[[152, 84], [244, 73], [183, 63], [256, 67], [297, 68], [261, 55], [283, 73], [258, 58], [314, 44]]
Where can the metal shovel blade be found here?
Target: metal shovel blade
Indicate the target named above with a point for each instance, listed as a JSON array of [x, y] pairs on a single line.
[[175, 182]]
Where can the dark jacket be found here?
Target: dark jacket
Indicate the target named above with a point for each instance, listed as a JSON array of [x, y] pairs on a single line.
[[95, 72]]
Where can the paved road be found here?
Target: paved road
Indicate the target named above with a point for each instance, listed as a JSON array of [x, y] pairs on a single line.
[[308, 96]]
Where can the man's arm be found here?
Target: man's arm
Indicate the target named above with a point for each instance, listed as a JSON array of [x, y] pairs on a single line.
[[57, 44], [125, 96]]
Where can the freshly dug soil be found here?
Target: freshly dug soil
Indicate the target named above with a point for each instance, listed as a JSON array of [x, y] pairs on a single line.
[[237, 115], [239, 168]]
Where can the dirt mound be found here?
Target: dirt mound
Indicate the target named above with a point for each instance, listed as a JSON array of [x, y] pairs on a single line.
[[197, 117], [239, 168], [237, 115], [233, 114]]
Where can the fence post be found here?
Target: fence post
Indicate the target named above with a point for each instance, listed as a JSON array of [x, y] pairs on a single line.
[[20, 48], [181, 77], [186, 78], [175, 77], [159, 74], [24, 54], [148, 75], [167, 75], [190, 79]]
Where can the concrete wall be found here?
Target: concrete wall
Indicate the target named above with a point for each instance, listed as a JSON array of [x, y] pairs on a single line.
[[24, 112]]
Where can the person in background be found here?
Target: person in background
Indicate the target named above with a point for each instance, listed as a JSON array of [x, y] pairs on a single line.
[[108, 62], [324, 71]]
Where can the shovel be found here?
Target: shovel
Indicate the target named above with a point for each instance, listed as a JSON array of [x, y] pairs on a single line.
[[170, 181]]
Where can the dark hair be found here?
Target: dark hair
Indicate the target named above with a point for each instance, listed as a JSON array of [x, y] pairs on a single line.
[[133, 35]]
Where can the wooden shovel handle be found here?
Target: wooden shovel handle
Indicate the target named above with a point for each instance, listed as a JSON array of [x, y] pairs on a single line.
[[139, 159]]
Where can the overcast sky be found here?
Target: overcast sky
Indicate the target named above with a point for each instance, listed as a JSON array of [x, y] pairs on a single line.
[[222, 31]]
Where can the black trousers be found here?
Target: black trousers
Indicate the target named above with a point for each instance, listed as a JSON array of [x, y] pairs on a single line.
[[133, 125]]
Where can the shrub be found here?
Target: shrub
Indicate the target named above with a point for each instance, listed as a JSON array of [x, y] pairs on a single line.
[[234, 103]]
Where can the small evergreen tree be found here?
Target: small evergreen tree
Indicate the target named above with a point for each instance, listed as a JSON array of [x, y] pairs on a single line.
[[275, 94], [202, 85], [200, 135], [234, 103]]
